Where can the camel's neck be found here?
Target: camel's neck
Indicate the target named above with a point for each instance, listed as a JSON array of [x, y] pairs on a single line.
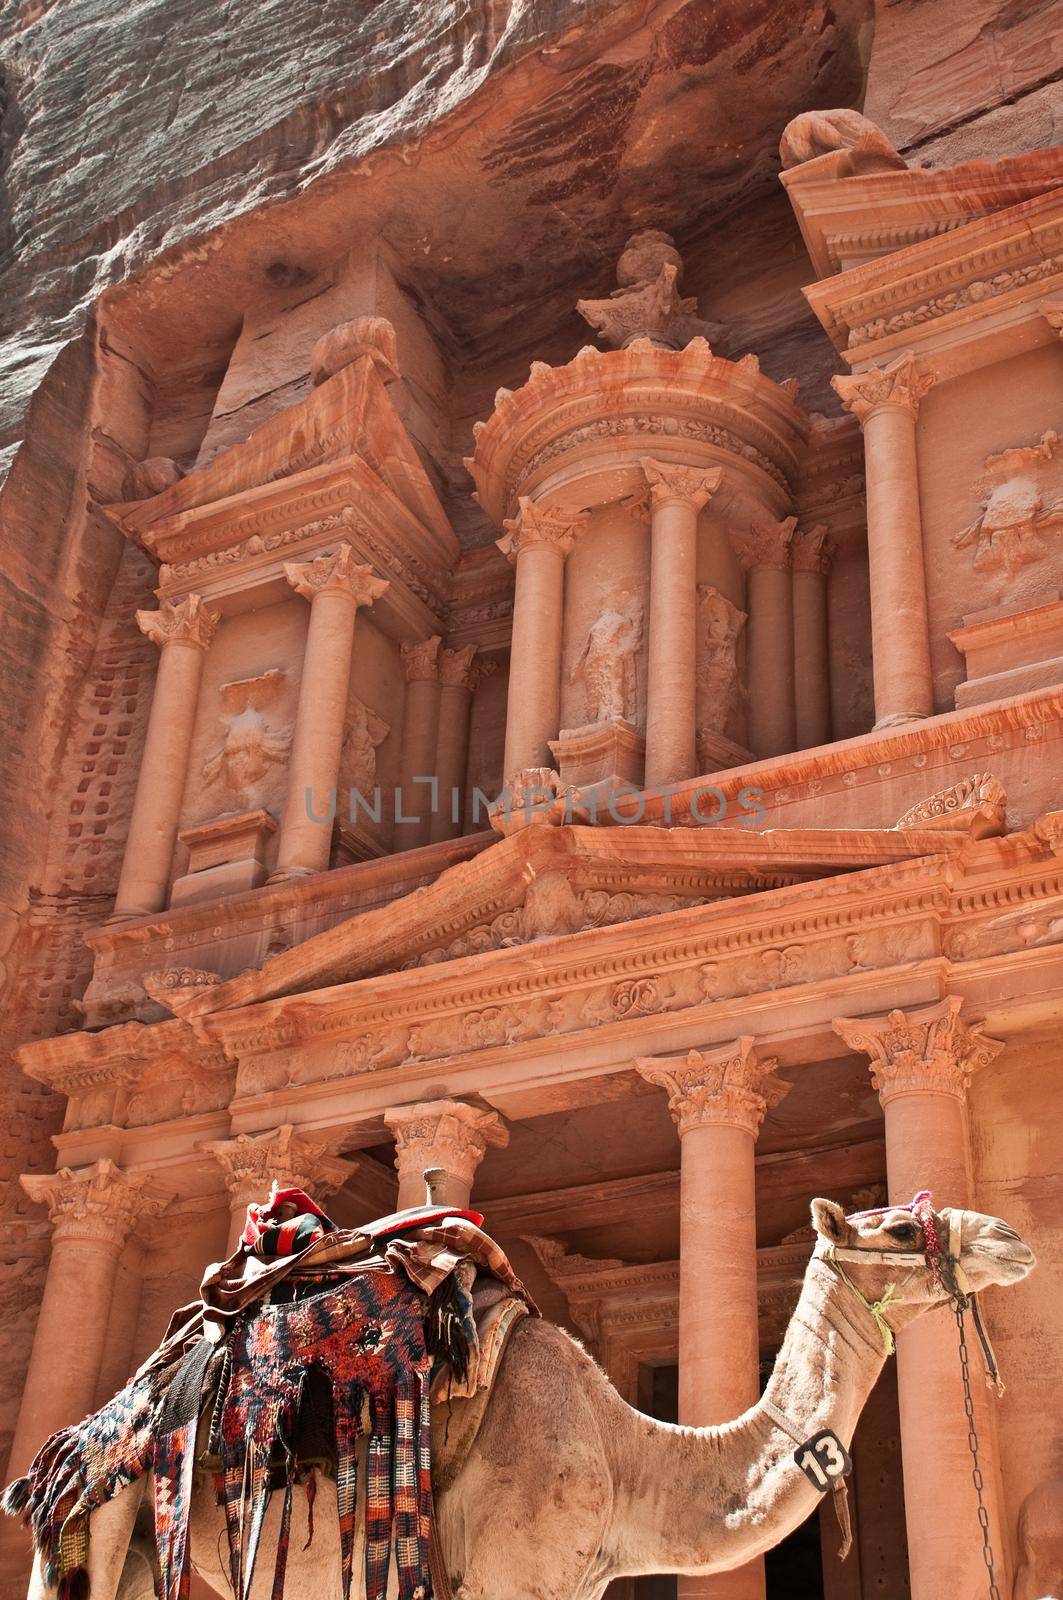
[[704, 1499]]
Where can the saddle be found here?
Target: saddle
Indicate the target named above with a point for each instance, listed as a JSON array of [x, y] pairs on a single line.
[[306, 1341]]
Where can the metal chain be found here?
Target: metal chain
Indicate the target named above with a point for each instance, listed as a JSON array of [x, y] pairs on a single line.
[[959, 1307]]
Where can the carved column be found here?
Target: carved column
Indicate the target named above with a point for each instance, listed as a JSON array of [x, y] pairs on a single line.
[[677, 494], [445, 1134], [420, 727], [183, 631], [537, 542], [251, 1163], [770, 635], [718, 1098], [885, 402], [921, 1065], [93, 1211], [810, 558], [459, 674], [335, 586]]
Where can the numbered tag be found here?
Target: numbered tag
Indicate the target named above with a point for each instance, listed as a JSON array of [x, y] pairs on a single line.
[[824, 1460]]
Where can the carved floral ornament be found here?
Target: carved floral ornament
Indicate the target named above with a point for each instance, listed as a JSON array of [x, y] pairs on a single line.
[[900, 384], [251, 1162], [729, 1086], [444, 1133], [687, 485], [537, 524], [930, 1050], [100, 1202], [188, 621], [335, 573]]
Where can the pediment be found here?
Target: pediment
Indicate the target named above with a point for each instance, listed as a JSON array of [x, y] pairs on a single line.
[[848, 217], [348, 418], [545, 881]]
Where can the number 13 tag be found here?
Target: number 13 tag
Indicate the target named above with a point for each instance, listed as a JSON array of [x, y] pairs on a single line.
[[824, 1460]]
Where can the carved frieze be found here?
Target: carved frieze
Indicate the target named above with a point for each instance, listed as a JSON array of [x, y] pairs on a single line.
[[959, 803]]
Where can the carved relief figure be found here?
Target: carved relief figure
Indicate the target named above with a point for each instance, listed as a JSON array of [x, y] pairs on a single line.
[[718, 687], [1019, 508], [365, 731], [251, 746], [608, 662]]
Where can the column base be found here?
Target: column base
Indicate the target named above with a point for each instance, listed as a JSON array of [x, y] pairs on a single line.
[[897, 719]]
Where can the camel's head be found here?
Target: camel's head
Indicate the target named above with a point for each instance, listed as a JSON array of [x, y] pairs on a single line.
[[917, 1249]]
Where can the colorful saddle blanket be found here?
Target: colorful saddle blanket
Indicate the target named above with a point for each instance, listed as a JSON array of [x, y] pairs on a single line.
[[364, 1340]]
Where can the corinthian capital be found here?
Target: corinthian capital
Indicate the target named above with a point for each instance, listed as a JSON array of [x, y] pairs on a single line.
[[899, 384], [692, 486], [768, 544], [446, 1134], [251, 1163], [539, 524], [811, 550], [188, 621], [100, 1202], [728, 1086], [925, 1051], [335, 573], [457, 668], [420, 662]]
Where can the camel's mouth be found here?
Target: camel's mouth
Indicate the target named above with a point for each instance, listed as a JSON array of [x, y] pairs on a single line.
[[1011, 1267]]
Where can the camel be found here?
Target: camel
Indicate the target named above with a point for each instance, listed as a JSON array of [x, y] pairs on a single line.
[[566, 1487]]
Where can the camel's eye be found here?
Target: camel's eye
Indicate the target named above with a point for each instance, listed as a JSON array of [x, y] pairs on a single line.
[[903, 1232]]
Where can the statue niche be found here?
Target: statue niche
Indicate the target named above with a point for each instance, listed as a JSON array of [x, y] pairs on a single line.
[[608, 662], [252, 747], [719, 689]]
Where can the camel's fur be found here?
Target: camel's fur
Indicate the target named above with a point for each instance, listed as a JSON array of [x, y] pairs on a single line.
[[567, 1487]]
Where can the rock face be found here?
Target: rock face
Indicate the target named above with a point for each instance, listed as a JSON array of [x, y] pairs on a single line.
[[193, 194]]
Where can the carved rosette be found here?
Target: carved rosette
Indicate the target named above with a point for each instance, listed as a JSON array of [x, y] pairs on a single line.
[[540, 524], [899, 384], [928, 1051], [691, 486], [726, 1087], [812, 551], [188, 621], [420, 661], [101, 1203], [251, 1163], [444, 1133], [768, 544], [335, 573]]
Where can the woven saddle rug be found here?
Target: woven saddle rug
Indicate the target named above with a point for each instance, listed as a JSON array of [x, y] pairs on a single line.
[[364, 1340]]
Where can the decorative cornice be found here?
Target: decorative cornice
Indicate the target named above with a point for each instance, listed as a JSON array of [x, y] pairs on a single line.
[[899, 384], [99, 1203], [444, 1133], [336, 573], [728, 1086], [812, 551], [420, 661], [188, 621], [251, 1162], [768, 544], [540, 524], [691, 486], [925, 1051]]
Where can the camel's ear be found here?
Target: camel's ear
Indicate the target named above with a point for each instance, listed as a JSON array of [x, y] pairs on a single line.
[[828, 1219]]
